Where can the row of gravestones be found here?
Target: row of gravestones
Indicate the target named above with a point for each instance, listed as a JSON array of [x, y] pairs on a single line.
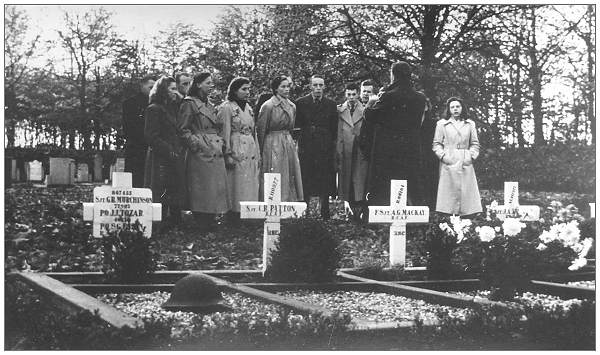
[[62, 171], [119, 205]]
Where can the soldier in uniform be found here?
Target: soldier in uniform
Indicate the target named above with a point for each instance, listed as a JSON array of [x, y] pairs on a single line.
[[395, 151], [133, 130], [316, 117]]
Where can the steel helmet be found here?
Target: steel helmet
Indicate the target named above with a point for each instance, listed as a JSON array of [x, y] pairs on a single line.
[[195, 293]]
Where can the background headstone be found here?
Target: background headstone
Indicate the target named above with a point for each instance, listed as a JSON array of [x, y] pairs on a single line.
[[82, 173], [62, 171], [97, 173], [35, 170], [15, 173]]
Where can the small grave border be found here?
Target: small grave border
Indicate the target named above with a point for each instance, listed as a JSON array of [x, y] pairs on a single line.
[[66, 293]]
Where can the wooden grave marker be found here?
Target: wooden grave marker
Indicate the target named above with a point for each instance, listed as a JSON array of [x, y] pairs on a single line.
[[272, 210], [512, 208], [120, 205], [398, 214]]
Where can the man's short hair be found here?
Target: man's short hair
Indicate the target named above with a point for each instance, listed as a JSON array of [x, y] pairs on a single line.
[[178, 76], [317, 76], [147, 78], [367, 82], [352, 86]]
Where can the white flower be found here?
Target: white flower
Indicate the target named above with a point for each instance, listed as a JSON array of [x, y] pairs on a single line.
[[497, 229], [446, 228], [570, 233], [578, 264], [548, 236], [486, 233], [586, 245], [541, 246], [460, 226], [512, 227], [494, 205]]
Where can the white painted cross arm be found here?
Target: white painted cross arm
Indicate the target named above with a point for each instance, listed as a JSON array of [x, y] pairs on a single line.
[[512, 208], [119, 205]]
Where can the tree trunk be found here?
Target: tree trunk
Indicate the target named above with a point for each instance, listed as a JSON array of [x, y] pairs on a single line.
[[591, 82], [428, 51], [535, 74]]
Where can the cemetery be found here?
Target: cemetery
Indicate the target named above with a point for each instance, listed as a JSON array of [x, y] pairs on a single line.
[[219, 180], [391, 289]]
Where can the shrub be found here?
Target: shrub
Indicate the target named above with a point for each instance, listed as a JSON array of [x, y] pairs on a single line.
[[561, 167], [306, 252], [127, 254]]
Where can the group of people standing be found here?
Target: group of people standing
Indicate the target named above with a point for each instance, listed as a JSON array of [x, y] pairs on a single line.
[[206, 159]]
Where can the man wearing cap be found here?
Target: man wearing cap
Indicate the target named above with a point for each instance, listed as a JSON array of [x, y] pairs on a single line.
[[395, 151]]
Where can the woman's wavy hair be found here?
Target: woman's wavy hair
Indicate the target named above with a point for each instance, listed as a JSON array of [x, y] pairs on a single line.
[[465, 110], [235, 85], [159, 94]]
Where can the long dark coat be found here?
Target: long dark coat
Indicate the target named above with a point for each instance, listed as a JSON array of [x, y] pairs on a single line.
[[135, 143], [316, 145], [395, 145], [164, 161]]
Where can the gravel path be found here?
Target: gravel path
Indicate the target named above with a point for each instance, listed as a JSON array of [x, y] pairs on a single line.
[[147, 307], [378, 307]]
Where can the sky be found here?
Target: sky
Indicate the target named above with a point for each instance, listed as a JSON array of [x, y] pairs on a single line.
[[132, 21]]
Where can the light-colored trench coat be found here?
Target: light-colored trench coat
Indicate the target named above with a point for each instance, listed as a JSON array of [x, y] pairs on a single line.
[[350, 163], [279, 153], [456, 144], [206, 178], [241, 149]]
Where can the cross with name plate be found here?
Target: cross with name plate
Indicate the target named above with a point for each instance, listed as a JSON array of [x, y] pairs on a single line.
[[272, 210], [118, 206], [398, 214], [511, 207]]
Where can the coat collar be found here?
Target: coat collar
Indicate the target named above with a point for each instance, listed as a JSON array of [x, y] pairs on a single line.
[[357, 113], [205, 109], [286, 108]]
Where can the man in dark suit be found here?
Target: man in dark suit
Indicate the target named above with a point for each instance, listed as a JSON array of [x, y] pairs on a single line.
[[316, 117], [133, 130], [395, 147]]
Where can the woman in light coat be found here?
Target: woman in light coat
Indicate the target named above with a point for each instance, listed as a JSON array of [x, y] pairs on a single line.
[[456, 145], [242, 154], [279, 155], [206, 177]]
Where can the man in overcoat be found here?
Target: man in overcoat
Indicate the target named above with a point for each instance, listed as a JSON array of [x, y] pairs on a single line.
[[133, 131], [395, 150], [316, 117], [350, 162]]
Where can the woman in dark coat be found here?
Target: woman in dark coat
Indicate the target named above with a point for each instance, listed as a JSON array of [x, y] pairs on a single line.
[[163, 159]]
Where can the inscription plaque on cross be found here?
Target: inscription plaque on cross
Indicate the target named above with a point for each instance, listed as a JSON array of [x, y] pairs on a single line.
[[512, 208], [120, 205], [272, 210], [398, 214]]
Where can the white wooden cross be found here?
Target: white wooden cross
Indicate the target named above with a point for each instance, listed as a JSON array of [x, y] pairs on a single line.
[[398, 214], [120, 205], [512, 208], [272, 210], [592, 210]]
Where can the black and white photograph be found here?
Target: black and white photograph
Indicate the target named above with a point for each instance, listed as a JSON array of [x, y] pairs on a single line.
[[299, 176]]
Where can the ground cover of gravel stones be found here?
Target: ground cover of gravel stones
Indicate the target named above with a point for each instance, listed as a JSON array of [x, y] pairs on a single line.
[[147, 306], [548, 302], [375, 306]]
